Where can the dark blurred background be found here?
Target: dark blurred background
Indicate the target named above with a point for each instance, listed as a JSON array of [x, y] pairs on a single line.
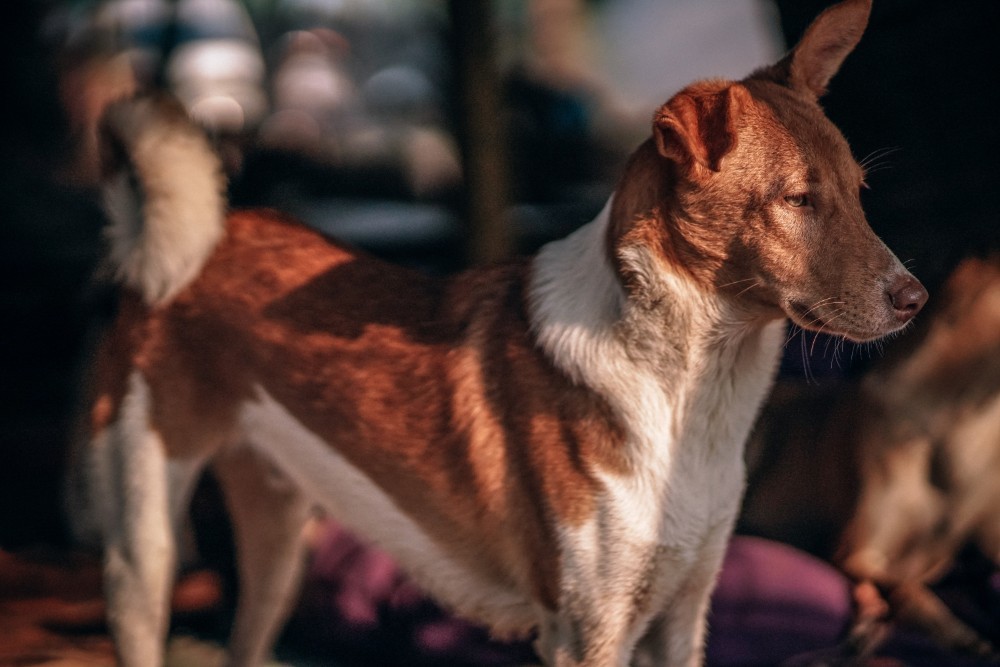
[[438, 134]]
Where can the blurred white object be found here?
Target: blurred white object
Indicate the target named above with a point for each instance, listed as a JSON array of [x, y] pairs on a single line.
[[313, 94], [310, 76], [651, 48], [218, 70], [220, 81]]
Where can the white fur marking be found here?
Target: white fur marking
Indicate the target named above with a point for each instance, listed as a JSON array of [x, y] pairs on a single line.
[[139, 557], [351, 497]]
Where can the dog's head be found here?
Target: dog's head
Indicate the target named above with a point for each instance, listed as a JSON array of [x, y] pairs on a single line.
[[749, 188]]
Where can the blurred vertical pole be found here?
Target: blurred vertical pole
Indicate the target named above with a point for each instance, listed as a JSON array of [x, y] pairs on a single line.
[[169, 41], [483, 129]]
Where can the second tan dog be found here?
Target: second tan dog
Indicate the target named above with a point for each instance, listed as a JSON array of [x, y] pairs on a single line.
[[892, 477]]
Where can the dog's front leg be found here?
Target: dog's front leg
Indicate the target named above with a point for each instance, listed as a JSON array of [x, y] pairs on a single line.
[[676, 637], [268, 513], [141, 500], [600, 637], [604, 605]]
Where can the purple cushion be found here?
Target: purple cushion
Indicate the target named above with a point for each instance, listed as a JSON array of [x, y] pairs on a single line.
[[357, 605], [773, 602]]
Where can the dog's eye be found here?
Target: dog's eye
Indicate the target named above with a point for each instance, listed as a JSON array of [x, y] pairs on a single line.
[[798, 201]]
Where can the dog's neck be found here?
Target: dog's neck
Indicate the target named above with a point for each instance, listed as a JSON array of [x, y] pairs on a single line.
[[679, 361]]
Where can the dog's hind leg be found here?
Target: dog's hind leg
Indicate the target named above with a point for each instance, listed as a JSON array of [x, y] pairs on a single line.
[[140, 498], [268, 513]]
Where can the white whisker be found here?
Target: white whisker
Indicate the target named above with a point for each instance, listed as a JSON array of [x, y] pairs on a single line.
[[737, 282], [748, 288]]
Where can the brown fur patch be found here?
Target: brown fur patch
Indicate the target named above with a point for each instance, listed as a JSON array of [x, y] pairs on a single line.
[[112, 363], [432, 387]]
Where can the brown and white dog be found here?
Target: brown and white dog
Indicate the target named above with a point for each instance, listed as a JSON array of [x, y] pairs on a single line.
[[552, 445]]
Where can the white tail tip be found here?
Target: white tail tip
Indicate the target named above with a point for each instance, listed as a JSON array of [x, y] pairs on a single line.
[[164, 194]]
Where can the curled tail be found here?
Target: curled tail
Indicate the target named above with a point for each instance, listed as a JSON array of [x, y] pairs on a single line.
[[164, 195]]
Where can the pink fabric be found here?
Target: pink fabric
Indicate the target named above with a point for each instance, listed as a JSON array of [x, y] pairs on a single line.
[[773, 602], [358, 606], [773, 605]]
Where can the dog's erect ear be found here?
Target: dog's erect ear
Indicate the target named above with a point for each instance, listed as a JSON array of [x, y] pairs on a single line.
[[697, 127], [823, 47]]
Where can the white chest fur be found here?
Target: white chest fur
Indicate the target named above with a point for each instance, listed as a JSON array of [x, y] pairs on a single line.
[[686, 378]]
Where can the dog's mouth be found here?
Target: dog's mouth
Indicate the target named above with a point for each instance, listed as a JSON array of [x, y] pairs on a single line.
[[814, 317], [836, 318]]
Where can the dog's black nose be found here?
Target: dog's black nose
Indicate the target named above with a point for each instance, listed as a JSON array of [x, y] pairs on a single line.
[[907, 296]]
